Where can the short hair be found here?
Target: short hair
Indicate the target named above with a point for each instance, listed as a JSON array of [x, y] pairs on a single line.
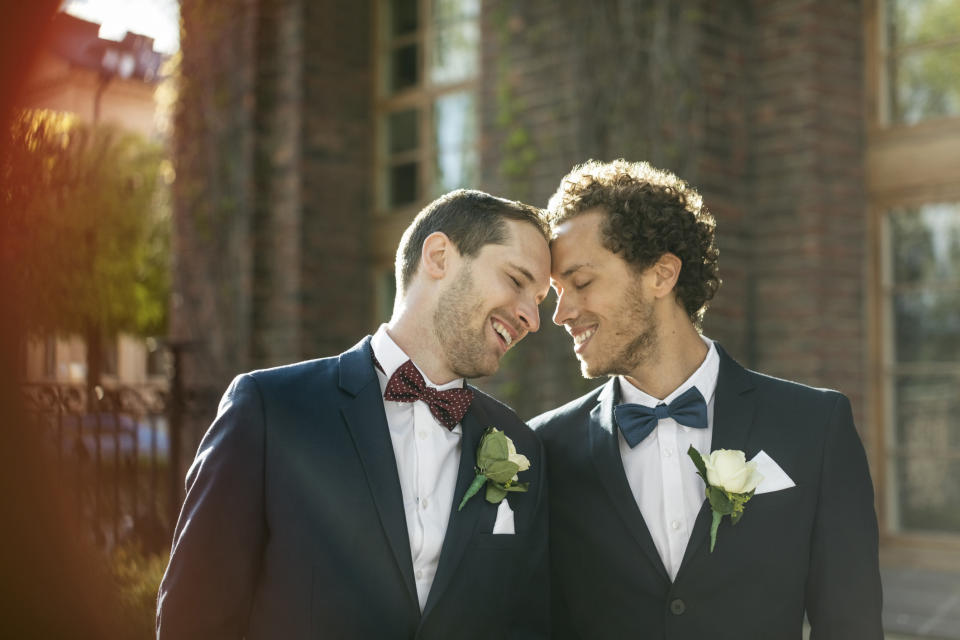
[[650, 212], [470, 218]]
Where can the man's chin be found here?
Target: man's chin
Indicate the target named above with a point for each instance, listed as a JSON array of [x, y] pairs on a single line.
[[589, 372]]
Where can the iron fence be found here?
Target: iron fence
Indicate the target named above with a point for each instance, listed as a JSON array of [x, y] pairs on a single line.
[[120, 453]]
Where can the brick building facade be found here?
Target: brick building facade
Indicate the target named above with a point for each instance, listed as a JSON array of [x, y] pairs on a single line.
[[769, 107], [758, 104]]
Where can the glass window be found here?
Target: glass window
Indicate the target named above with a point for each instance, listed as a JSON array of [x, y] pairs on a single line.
[[403, 17], [923, 58], [923, 301], [428, 53], [455, 141]]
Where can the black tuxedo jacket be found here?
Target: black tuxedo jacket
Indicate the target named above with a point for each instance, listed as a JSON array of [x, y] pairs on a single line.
[[809, 548], [293, 524]]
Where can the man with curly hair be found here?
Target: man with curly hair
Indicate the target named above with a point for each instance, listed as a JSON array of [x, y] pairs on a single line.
[[634, 266]]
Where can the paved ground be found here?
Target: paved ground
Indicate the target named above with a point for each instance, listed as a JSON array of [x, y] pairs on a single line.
[[921, 602]]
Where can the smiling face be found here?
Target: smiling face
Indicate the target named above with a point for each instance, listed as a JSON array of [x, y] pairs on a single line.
[[600, 300], [491, 303]]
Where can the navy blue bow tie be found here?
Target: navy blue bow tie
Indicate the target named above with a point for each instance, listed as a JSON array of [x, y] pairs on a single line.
[[636, 421]]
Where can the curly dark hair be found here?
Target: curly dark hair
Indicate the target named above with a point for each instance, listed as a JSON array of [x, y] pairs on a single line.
[[650, 212]]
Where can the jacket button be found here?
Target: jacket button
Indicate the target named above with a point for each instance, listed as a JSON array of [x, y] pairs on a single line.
[[677, 607]]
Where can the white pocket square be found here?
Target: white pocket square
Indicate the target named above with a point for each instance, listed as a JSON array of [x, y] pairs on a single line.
[[504, 523], [774, 478]]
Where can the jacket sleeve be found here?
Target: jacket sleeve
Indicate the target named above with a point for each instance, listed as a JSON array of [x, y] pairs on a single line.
[[843, 592], [208, 586], [530, 601]]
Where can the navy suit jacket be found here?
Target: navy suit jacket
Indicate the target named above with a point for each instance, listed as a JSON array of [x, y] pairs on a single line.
[[293, 524], [809, 548]]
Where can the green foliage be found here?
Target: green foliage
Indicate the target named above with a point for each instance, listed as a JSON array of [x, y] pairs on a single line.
[[519, 154], [137, 576], [85, 226]]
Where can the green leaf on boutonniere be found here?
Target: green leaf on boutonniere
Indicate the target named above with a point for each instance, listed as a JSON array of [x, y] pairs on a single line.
[[498, 464], [501, 471], [733, 474], [698, 462], [472, 489], [495, 494], [720, 500]]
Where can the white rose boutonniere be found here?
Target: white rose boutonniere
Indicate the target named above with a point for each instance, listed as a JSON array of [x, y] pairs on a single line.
[[498, 464], [730, 480]]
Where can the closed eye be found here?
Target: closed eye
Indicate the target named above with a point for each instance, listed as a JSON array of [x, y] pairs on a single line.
[[582, 285]]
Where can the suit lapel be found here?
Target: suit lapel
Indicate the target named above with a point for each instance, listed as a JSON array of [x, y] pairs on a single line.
[[733, 412], [367, 422], [605, 455], [462, 524]]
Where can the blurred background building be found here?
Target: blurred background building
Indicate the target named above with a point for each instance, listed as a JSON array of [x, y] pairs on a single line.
[[99, 81], [823, 135]]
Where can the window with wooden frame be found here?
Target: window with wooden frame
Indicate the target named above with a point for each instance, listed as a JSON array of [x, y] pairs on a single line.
[[913, 183], [427, 62]]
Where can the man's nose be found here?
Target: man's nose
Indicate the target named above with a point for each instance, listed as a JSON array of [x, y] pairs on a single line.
[[565, 309], [529, 314]]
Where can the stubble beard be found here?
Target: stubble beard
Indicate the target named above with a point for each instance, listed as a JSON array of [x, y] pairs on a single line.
[[638, 312], [464, 347]]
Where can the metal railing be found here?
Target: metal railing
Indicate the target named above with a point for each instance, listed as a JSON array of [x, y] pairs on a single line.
[[119, 453]]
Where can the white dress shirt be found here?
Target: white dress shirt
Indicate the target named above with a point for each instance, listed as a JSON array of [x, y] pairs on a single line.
[[428, 457], [661, 475]]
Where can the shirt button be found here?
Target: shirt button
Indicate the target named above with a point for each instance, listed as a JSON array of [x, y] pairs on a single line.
[[422, 435], [419, 575], [668, 452], [677, 607], [675, 525], [423, 503]]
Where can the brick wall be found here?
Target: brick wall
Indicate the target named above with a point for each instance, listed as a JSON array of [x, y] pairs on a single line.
[[337, 291], [759, 104], [272, 196], [213, 192], [808, 207]]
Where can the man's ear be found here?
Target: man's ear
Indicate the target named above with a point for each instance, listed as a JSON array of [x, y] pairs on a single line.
[[665, 272], [438, 255]]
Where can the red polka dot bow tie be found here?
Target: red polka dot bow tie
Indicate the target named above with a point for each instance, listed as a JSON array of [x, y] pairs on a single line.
[[407, 385]]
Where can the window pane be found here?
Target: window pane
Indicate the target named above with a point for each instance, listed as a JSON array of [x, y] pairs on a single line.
[[403, 184], [447, 11], [402, 131], [928, 430], [402, 16], [918, 21], [456, 51], [455, 138], [929, 499], [925, 84], [926, 244], [927, 326], [403, 68], [928, 414]]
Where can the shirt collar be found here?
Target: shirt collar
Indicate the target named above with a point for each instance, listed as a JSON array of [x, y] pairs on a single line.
[[704, 379], [391, 356]]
